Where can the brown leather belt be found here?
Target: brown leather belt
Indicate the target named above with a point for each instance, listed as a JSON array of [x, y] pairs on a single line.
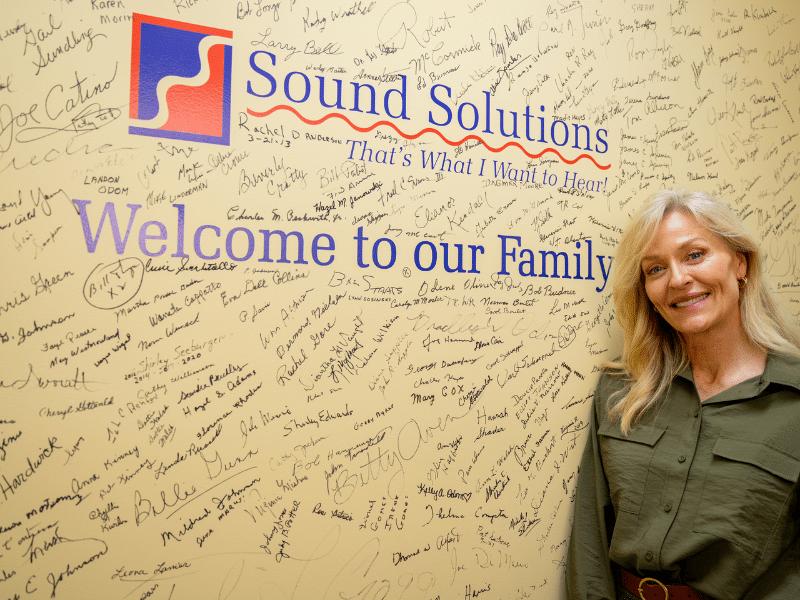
[[648, 588]]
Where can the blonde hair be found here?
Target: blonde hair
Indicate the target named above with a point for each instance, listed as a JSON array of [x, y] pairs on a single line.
[[653, 352]]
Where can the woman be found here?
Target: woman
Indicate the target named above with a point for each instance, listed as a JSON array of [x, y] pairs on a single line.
[[688, 486]]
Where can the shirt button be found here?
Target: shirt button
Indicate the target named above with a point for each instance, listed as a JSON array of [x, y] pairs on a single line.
[[681, 459], [648, 556], [696, 413], [667, 507]]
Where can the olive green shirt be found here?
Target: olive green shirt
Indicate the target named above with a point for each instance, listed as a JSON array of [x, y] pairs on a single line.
[[703, 494]]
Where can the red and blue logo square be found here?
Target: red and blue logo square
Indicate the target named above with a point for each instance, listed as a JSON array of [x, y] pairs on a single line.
[[180, 81]]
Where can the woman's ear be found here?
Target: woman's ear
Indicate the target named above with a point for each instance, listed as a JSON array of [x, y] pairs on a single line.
[[741, 269]]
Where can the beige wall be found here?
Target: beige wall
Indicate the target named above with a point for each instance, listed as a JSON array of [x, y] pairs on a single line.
[[344, 431]]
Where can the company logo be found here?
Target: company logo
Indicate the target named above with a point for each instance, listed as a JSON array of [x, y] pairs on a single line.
[[180, 81]]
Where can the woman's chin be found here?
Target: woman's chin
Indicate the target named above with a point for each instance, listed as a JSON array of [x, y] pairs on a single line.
[[691, 326]]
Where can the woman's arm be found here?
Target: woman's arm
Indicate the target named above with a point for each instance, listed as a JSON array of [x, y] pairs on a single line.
[[782, 579], [589, 573]]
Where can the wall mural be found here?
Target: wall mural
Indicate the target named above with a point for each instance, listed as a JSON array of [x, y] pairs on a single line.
[[309, 299]]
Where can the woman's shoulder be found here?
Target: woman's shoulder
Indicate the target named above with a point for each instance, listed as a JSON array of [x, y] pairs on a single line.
[[611, 380], [784, 369]]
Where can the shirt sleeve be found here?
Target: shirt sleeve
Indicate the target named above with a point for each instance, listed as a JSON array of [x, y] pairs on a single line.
[[782, 580], [588, 573]]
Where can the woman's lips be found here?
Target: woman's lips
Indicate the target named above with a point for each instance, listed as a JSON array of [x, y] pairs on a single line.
[[690, 301]]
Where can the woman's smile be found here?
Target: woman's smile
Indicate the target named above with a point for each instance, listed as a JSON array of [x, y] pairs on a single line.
[[691, 301]]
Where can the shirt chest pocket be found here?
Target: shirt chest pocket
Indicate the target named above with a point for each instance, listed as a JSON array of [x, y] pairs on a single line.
[[745, 493], [627, 461]]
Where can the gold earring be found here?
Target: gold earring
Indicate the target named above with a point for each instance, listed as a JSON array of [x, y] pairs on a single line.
[[742, 282]]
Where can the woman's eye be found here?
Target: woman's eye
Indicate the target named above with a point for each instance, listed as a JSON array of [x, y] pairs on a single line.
[[695, 254], [654, 270]]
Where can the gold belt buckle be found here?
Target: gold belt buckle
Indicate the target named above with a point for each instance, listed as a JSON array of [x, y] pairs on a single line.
[[663, 587]]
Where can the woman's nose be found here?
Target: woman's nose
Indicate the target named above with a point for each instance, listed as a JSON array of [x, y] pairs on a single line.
[[679, 276]]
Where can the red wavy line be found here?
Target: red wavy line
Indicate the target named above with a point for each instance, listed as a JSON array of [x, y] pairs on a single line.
[[416, 135]]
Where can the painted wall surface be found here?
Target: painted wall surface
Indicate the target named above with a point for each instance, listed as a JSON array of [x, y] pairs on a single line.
[[321, 315]]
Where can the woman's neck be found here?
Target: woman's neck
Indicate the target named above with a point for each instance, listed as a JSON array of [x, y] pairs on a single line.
[[721, 360]]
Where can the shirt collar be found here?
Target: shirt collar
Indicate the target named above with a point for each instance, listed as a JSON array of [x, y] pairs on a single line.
[[780, 369]]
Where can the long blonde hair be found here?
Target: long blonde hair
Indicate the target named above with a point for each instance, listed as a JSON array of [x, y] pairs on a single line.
[[653, 352]]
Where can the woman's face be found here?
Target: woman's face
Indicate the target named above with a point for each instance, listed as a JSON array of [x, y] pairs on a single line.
[[692, 278]]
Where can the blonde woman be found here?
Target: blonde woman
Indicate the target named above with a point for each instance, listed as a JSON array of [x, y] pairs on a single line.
[[688, 488]]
